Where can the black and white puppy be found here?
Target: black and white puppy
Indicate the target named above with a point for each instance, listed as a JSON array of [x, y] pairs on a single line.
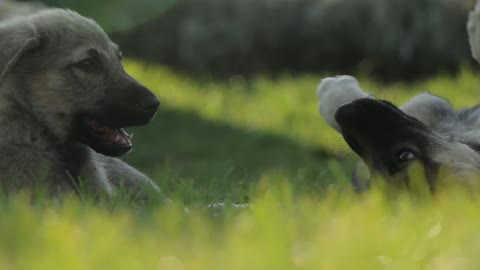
[[427, 130]]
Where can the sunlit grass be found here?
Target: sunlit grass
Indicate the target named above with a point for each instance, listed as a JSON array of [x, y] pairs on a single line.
[[287, 106], [279, 231], [259, 141]]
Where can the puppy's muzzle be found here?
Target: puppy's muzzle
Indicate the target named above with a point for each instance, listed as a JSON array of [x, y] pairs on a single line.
[[131, 104], [124, 105]]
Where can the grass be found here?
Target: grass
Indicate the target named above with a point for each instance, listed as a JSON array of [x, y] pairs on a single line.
[[262, 142], [216, 138]]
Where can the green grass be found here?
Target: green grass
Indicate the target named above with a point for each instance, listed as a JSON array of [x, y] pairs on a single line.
[[263, 142], [213, 139]]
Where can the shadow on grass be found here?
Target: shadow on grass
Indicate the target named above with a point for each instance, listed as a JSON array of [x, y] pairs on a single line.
[[213, 156]]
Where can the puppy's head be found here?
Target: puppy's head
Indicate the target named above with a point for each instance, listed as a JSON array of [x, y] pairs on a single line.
[[387, 139], [70, 75]]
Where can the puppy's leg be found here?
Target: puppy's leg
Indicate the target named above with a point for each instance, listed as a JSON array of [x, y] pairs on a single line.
[[120, 174], [361, 177], [473, 29], [334, 92]]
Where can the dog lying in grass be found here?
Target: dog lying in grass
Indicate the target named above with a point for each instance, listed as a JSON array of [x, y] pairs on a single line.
[[64, 101], [426, 130]]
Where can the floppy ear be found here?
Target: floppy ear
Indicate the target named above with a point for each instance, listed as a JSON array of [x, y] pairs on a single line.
[[430, 110], [16, 38]]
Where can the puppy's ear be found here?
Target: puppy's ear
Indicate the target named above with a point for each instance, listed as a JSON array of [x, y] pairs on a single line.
[[16, 38], [430, 110]]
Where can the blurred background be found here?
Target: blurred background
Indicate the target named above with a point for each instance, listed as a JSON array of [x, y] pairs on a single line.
[[389, 39], [237, 80]]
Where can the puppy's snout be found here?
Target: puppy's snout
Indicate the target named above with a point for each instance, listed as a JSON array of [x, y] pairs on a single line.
[[131, 104], [344, 112], [149, 105], [143, 100]]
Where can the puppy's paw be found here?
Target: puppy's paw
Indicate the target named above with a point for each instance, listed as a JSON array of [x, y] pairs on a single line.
[[473, 30], [334, 92]]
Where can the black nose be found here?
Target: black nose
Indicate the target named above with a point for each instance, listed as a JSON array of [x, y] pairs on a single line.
[[150, 105]]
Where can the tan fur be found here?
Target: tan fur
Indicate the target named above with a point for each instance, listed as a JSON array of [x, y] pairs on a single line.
[[38, 101]]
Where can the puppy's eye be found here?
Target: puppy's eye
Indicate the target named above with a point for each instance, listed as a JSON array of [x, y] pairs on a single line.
[[85, 63], [405, 156]]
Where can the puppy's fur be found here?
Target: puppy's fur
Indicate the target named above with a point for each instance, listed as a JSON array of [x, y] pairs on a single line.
[[425, 129], [64, 98], [473, 30]]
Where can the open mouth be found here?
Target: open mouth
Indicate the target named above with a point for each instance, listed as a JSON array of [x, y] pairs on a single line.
[[109, 135], [111, 141]]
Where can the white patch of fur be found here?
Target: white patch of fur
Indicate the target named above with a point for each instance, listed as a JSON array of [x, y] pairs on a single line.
[[473, 29], [458, 156], [471, 137], [333, 92]]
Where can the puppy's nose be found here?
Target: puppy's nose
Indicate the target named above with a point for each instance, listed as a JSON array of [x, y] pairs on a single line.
[[150, 105]]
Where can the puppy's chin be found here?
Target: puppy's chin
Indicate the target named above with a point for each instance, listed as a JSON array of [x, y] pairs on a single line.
[[111, 150]]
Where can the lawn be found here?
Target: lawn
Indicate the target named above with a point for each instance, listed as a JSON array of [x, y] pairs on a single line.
[[259, 141]]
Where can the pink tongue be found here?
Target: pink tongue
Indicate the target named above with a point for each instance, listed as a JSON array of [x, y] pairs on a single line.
[[116, 136], [112, 135], [121, 137]]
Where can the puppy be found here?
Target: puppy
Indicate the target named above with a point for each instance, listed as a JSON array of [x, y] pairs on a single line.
[[64, 101], [426, 130]]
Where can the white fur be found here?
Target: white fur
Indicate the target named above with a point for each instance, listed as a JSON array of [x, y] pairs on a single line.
[[457, 156], [473, 29]]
